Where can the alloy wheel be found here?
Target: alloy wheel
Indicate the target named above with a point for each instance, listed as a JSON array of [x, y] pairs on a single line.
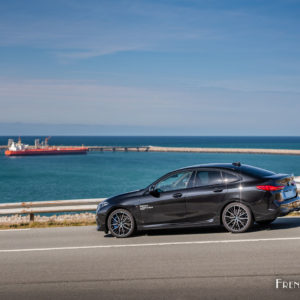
[[237, 217], [121, 223]]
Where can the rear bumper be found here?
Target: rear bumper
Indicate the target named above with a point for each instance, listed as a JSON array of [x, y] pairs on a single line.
[[289, 206]]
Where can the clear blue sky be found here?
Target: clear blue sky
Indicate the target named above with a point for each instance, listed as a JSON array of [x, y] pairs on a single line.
[[151, 67]]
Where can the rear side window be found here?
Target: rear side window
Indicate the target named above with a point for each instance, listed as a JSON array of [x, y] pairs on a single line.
[[229, 177], [255, 172], [204, 178]]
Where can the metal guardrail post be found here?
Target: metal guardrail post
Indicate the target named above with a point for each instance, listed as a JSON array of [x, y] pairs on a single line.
[[31, 218]]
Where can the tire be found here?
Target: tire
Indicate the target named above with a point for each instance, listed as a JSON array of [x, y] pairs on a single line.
[[121, 223], [265, 222], [237, 217]]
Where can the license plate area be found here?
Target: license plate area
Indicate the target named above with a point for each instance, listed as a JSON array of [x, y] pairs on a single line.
[[290, 194]]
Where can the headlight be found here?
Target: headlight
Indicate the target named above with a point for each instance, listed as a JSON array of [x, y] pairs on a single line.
[[101, 205]]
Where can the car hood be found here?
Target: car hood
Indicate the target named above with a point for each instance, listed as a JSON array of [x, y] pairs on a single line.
[[122, 197]]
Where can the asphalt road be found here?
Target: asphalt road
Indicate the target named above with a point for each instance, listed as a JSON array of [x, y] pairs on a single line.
[[210, 263]]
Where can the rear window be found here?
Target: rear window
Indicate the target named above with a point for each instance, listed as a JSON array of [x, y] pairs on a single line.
[[255, 172]]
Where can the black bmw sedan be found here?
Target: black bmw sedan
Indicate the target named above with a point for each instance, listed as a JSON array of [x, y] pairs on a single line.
[[234, 195]]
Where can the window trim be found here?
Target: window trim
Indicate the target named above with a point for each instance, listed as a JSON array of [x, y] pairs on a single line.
[[194, 170]]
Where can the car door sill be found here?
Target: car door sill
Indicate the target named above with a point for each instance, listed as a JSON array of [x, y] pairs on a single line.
[[179, 225]]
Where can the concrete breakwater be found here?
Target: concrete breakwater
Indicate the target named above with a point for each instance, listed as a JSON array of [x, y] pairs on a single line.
[[225, 150], [188, 149]]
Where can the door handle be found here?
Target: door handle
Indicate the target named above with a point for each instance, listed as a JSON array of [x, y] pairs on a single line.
[[218, 190], [177, 195]]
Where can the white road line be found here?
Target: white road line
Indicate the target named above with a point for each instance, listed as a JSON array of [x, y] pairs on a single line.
[[150, 244], [24, 229]]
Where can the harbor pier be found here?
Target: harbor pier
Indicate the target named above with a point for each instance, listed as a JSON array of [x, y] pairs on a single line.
[[119, 148]]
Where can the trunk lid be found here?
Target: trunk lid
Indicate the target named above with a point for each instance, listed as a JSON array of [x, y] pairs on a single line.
[[289, 190]]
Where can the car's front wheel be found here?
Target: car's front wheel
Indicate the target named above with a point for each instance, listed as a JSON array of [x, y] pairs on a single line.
[[237, 217], [120, 223]]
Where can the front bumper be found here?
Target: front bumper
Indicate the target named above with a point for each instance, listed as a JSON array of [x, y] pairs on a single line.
[[100, 221], [290, 206]]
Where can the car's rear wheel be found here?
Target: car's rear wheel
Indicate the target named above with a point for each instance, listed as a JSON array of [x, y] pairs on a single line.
[[237, 217], [265, 222], [120, 223]]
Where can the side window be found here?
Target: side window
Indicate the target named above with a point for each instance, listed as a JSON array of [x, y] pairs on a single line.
[[174, 182], [229, 177], [204, 178]]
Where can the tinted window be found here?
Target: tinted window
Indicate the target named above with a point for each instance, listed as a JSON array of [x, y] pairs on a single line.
[[204, 178], [229, 177], [255, 172], [176, 181]]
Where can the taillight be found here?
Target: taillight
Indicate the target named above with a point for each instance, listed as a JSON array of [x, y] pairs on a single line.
[[270, 188]]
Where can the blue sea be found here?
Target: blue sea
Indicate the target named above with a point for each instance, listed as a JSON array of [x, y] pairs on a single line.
[[103, 174]]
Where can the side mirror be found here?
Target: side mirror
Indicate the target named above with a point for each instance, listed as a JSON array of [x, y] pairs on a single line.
[[155, 192]]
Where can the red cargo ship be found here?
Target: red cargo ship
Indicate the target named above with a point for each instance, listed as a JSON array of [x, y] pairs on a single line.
[[19, 149]]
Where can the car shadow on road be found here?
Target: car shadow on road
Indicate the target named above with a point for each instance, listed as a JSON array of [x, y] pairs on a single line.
[[279, 224], [180, 231]]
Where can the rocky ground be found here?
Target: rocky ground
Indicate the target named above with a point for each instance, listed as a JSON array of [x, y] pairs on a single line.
[[45, 221]]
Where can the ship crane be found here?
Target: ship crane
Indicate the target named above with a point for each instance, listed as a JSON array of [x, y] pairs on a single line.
[[46, 140]]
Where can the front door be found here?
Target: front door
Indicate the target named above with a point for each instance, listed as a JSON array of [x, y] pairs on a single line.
[[168, 206]]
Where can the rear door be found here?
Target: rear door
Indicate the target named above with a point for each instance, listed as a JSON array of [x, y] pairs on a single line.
[[204, 199]]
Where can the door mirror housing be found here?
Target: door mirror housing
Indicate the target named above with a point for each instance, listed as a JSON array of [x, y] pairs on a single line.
[[154, 192]]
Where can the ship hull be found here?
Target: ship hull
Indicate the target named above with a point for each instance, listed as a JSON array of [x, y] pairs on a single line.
[[58, 151]]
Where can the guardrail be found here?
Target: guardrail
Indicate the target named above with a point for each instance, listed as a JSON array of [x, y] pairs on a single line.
[[32, 208], [58, 206]]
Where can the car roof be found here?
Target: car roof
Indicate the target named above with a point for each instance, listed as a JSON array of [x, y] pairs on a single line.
[[252, 171], [228, 166]]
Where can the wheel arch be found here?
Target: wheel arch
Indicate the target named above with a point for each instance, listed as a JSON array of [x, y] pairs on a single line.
[[115, 208], [232, 201]]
